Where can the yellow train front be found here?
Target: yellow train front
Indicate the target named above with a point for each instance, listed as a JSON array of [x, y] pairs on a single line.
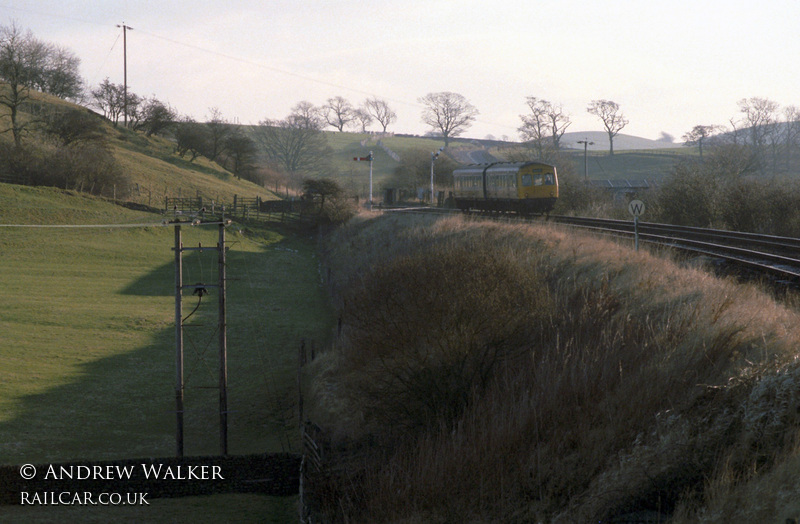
[[526, 188]]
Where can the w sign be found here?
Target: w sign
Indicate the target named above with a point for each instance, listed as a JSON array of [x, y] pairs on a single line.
[[636, 208]]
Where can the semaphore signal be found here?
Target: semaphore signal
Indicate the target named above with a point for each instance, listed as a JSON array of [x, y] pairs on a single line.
[[369, 159]]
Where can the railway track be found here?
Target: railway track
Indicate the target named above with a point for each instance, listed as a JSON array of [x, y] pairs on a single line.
[[748, 254], [778, 257]]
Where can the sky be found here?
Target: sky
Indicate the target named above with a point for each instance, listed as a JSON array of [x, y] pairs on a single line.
[[669, 64]]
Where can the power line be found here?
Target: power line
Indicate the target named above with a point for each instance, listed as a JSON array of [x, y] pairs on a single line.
[[103, 226], [254, 64]]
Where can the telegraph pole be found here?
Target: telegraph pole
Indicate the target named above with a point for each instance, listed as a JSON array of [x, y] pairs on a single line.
[[223, 346], [125, 70], [200, 289], [586, 145], [179, 340]]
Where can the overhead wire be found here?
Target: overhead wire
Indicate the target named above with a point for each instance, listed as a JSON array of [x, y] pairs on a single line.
[[253, 63]]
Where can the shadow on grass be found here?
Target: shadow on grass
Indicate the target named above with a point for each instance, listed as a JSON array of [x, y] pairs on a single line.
[[123, 405]]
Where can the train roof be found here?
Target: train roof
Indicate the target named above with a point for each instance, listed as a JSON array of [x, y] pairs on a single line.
[[517, 165]]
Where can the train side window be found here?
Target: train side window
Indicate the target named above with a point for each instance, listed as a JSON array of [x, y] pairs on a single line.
[[526, 180]]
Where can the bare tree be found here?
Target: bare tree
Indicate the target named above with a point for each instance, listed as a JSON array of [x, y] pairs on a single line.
[[305, 114], [698, 135], [338, 112], [791, 121], [153, 116], [559, 122], [534, 127], [381, 111], [295, 144], [544, 126], [612, 117], [190, 138], [108, 98], [14, 71], [364, 119], [241, 151], [219, 130], [57, 72], [759, 114], [759, 119], [448, 113]]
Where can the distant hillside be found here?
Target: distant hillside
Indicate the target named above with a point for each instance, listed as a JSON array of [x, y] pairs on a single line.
[[621, 142]]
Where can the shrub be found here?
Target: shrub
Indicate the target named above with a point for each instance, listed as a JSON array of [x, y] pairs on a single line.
[[544, 376]]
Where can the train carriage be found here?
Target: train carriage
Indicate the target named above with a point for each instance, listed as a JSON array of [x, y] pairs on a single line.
[[526, 188]]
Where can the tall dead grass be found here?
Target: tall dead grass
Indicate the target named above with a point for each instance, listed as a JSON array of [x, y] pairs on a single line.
[[526, 373]]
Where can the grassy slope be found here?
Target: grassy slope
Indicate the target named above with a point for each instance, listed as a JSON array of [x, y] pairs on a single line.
[[640, 384], [156, 171], [88, 338]]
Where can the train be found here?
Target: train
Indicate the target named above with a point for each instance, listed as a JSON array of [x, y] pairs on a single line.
[[525, 188]]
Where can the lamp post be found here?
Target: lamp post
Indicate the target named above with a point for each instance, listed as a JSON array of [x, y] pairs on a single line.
[[586, 145], [434, 156]]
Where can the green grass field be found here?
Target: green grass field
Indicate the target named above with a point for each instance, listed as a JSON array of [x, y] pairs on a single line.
[[87, 344]]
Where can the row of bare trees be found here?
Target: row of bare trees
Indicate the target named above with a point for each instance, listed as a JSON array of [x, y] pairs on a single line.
[[545, 125], [338, 112], [771, 134]]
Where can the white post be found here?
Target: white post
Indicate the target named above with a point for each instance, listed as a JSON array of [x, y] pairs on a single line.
[[433, 159]]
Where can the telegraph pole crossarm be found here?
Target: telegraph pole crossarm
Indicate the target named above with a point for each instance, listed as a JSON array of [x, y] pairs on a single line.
[[179, 326]]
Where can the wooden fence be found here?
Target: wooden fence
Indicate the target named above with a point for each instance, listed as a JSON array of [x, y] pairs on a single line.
[[241, 207]]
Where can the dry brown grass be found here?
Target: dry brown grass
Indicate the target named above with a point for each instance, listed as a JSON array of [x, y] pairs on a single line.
[[526, 373]]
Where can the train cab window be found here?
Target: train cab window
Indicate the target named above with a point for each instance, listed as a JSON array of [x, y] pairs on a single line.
[[526, 180], [538, 180], [548, 179]]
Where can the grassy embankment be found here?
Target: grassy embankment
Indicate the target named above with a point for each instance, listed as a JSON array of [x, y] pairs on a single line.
[[526, 373], [87, 348]]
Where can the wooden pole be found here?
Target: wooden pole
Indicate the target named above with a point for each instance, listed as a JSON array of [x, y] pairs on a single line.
[[179, 340], [223, 348]]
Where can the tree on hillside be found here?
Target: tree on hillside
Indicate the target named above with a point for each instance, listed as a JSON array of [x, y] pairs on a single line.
[[698, 135], [381, 111], [219, 130], [14, 57], [759, 120], [57, 72], [611, 116], [759, 115], [338, 112], [544, 126], [29, 63], [306, 115], [363, 118], [295, 144], [153, 116], [108, 97], [72, 126], [448, 113], [241, 152], [791, 121], [190, 138]]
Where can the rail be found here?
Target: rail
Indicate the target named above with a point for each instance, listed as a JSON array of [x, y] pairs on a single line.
[[760, 254], [775, 255]]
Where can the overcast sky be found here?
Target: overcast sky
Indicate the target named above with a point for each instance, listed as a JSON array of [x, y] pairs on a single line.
[[670, 65]]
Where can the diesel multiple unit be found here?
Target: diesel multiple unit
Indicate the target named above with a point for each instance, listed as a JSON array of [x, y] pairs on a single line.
[[526, 188]]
